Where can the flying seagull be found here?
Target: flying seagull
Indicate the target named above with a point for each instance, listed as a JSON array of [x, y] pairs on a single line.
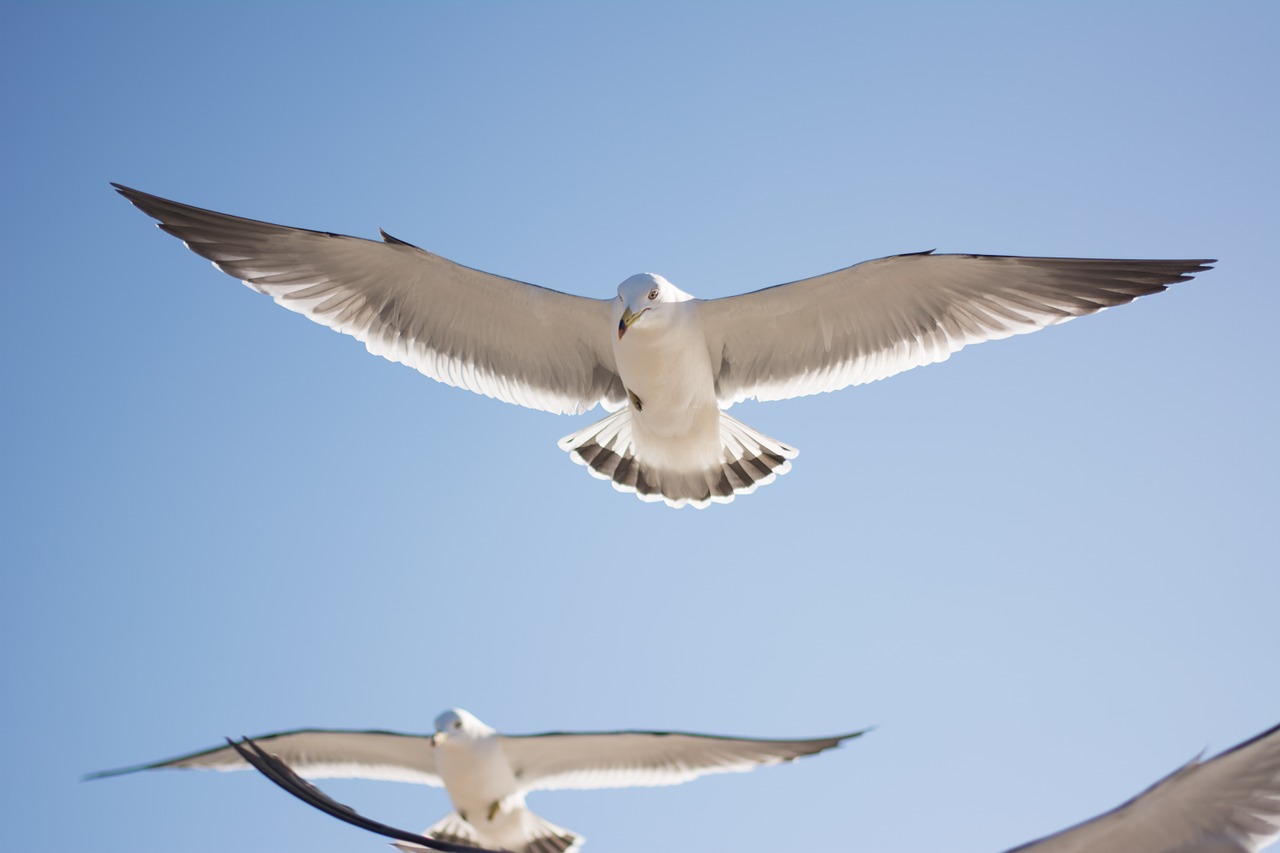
[[1229, 804], [664, 363], [487, 774]]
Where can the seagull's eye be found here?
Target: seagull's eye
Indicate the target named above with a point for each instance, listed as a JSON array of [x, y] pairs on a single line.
[[457, 724], [653, 294]]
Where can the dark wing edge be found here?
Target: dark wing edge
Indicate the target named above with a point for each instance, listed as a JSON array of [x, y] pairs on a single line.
[[1198, 763], [284, 777], [829, 741], [365, 289], [660, 758], [186, 760], [880, 317]]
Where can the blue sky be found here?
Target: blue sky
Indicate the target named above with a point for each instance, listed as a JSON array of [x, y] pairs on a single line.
[[1047, 569]]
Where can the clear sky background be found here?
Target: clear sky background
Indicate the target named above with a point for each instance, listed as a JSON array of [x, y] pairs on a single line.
[[1048, 570]]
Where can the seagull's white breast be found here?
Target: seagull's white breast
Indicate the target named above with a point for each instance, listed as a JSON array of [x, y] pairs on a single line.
[[475, 773], [664, 362]]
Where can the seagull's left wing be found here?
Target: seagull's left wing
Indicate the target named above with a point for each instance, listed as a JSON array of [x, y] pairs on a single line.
[[560, 760], [1229, 804], [505, 339], [321, 753], [878, 318], [281, 774]]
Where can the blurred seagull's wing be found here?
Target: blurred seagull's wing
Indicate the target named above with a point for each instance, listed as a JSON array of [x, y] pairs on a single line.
[[320, 754], [878, 318], [1229, 804], [560, 760], [281, 774], [502, 338]]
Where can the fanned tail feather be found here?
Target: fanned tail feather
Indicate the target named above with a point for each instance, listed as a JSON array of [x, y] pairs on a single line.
[[451, 828], [545, 837], [538, 834], [749, 459]]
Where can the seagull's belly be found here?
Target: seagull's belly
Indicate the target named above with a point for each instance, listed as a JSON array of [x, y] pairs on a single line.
[[675, 419], [684, 438], [475, 776]]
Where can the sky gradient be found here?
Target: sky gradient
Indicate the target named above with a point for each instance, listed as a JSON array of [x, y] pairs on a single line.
[[1047, 570]]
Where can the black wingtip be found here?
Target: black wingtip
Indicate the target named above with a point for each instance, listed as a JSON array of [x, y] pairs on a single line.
[[137, 198], [118, 771], [840, 740]]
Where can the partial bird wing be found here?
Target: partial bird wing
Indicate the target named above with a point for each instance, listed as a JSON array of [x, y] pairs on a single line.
[[281, 774], [560, 760], [502, 338], [878, 318], [1229, 804], [320, 754]]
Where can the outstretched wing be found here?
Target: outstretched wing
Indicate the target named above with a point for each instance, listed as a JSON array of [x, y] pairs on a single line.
[[878, 318], [281, 774], [1229, 804], [498, 337], [625, 759], [320, 754]]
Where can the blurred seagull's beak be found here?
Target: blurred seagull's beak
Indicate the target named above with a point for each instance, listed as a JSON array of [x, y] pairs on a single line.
[[437, 738]]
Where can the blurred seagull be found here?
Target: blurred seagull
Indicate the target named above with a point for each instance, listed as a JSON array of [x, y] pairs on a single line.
[[1228, 804], [664, 363], [487, 775]]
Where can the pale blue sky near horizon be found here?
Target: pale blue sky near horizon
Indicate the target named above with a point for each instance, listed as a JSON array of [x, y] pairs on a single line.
[[1046, 570]]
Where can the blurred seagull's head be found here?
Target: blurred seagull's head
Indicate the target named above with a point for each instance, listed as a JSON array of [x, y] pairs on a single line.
[[457, 725]]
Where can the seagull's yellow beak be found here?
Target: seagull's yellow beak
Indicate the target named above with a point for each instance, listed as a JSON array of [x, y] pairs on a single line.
[[627, 319], [437, 738]]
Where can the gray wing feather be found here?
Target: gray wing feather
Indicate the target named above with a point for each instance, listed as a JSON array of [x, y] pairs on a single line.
[[645, 759], [282, 775], [321, 754], [878, 318], [1229, 804], [505, 339]]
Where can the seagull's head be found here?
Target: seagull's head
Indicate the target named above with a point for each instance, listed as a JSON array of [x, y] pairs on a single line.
[[642, 294], [456, 724]]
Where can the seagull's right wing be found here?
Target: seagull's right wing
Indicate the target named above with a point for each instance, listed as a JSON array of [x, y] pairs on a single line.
[[878, 318], [498, 337], [1229, 804], [321, 754], [281, 774], [561, 760]]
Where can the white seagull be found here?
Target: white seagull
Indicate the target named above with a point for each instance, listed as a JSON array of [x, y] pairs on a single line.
[[1229, 804], [487, 774], [664, 363]]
